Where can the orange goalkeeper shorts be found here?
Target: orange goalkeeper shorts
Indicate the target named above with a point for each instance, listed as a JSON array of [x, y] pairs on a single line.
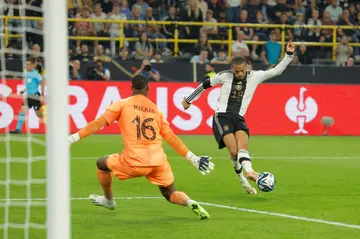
[[158, 175]]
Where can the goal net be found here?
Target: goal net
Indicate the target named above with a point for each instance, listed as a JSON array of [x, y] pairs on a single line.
[[34, 155]]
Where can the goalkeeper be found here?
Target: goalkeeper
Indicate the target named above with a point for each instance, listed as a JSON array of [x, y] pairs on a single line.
[[143, 127], [33, 80]]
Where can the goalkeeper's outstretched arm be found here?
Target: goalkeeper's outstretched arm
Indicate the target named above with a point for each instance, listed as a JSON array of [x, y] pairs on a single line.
[[90, 129], [201, 163]]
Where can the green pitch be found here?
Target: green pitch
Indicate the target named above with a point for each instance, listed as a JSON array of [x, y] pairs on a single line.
[[317, 178]]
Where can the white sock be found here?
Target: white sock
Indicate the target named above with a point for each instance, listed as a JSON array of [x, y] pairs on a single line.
[[245, 162], [188, 202], [235, 163], [247, 166]]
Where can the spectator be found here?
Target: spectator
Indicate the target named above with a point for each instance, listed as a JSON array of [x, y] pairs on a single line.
[[346, 21], [326, 34], [266, 11], [9, 54], [124, 8], [272, 50], [259, 35], [239, 47], [233, 10], [215, 7], [280, 9], [72, 54], [84, 55], [98, 72], [203, 7], [284, 21], [202, 58], [157, 58], [100, 54], [223, 30], [334, 10], [99, 27], [353, 13], [252, 8], [143, 48], [303, 55], [136, 29], [114, 28], [83, 28], [203, 43], [106, 5], [36, 52], [299, 33], [343, 52], [169, 30], [123, 54], [222, 58], [153, 30], [248, 32], [211, 31], [74, 68], [193, 14], [314, 33], [143, 6], [148, 71], [357, 37], [210, 71]]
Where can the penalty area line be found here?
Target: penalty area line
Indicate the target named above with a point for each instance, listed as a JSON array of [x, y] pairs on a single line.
[[307, 219]]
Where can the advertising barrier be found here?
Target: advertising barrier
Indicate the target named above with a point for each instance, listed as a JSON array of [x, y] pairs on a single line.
[[276, 109]]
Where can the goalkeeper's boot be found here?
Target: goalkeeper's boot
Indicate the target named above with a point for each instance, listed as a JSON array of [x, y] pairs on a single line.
[[16, 131], [252, 176], [102, 202], [199, 210]]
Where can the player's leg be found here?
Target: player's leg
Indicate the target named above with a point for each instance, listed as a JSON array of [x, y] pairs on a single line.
[[232, 146], [223, 130], [20, 120], [104, 176], [243, 155], [163, 177]]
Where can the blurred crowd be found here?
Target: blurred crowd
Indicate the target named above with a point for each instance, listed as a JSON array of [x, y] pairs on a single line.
[[291, 12]]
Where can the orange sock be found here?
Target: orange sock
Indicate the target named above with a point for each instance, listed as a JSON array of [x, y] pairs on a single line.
[[105, 181], [179, 198]]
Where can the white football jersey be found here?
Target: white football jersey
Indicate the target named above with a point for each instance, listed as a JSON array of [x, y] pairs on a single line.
[[235, 95]]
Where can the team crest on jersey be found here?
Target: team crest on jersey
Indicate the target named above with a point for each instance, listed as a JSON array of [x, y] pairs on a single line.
[[238, 87], [226, 127]]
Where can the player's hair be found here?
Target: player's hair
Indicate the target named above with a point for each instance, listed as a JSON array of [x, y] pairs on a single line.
[[238, 60], [31, 59], [139, 82]]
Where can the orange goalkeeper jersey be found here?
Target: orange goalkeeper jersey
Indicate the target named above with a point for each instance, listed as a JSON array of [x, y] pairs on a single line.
[[142, 126]]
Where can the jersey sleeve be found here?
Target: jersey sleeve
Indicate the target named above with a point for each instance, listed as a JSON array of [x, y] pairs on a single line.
[[171, 138], [113, 112], [39, 77], [277, 70], [215, 80]]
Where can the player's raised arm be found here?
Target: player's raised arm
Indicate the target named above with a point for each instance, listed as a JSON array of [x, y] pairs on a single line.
[[201, 163], [279, 68], [215, 80], [111, 114]]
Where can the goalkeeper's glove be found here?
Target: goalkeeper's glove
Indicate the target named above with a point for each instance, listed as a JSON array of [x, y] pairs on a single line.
[[73, 138], [201, 163]]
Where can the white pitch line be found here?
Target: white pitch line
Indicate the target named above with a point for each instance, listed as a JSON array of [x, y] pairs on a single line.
[[254, 157], [307, 219]]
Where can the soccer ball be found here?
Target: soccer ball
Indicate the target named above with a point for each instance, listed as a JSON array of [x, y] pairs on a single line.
[[266, 182]]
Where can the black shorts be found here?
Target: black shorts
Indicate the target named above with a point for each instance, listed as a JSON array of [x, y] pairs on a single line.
[[227, 123], [33, 101]]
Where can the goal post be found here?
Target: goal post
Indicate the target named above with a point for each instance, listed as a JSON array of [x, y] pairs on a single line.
[[58, 160]]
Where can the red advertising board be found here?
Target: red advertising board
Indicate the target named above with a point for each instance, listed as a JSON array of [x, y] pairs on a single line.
[[276, 109]]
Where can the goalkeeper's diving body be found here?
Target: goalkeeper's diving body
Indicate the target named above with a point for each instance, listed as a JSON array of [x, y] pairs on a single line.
[[229, 127], [143, 127], [33, 79]]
